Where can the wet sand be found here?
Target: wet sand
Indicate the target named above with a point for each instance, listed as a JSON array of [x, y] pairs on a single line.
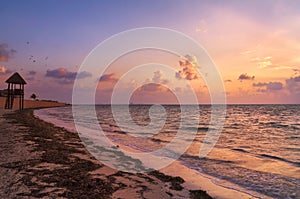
[[41, 160]]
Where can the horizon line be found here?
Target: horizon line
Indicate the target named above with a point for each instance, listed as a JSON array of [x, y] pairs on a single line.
[[146, 104]]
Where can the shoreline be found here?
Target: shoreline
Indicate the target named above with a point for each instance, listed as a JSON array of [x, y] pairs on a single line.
[[194, 179], [39, 159], [191, 183]]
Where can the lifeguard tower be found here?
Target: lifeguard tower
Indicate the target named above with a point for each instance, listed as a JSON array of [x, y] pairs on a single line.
[[15, 89]]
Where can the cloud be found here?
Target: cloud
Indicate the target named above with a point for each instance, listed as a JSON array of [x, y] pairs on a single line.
[[192, 59], [265, 62], [153, 93], [66, 81], [259, 84], [157, 78], [293, 86], [245, 77], [156, 85], [278, 67], [271, 86], [108, 78], [83, 75], [4, 70], [228, 80], [274, 86], [5, 53], [188, 67], [261, 90], [32, 72], [65, 76], [293, 82], [296, 71], [61, 73], [261, 59], [297, 79], [247, 52], [269, 64], [152, 87]]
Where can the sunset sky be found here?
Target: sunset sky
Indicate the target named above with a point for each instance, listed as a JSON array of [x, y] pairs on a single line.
[[254, 44]]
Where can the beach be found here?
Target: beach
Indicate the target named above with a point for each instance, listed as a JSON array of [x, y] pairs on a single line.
[[39, 159], [259, 168], [32, 103], [150, 99]]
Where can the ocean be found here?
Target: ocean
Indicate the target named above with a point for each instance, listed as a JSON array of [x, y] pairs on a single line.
[[258, 149]]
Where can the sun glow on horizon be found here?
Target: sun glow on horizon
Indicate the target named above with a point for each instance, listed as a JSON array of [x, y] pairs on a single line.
[[254, 44]]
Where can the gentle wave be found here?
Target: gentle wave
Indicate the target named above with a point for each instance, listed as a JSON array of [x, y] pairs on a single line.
[[280, 159]]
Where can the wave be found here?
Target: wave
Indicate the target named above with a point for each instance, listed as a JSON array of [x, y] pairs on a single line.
[[240, 150], [158, 140], [119, 132], [279, 159], [203, 128]]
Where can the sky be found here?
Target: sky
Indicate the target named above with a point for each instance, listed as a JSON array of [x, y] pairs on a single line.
[[255, 46]]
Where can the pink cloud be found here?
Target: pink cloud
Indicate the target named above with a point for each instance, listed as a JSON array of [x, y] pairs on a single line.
[[61, 73], [271, 86], [65, 76], [157, 78], [293, 86], [274, 86], [153, 93], [108, 78], [152, 87]]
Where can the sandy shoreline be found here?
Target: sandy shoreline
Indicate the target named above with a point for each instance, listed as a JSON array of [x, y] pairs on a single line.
[[41, 160]]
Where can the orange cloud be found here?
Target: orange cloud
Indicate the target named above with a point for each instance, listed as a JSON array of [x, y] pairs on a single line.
[[4, 70], [188, 68]]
